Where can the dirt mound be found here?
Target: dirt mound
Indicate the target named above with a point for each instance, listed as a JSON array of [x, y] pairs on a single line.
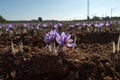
[[92, 59]]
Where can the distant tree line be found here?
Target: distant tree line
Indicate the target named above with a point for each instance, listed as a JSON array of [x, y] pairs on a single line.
[[2, 20], [97, 18], [105, 18]]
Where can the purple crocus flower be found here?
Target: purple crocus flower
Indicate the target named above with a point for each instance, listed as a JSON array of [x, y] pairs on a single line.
[[84, 24], [64, 40], [71, 26], [88, 25], [107, 24], [60, 24], [6, 29], [32, 27], [101, 24], [10, 26], [77, 24], [56, 26], [0, 26], [38, 26], [50, 37], [47, 39], [25, 25], [96, 25], [45, 25]]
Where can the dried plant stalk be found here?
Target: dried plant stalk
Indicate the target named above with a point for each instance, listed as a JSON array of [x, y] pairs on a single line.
[[12, 46], [21, 47], [118, 44], [75, 43], [114, 48]]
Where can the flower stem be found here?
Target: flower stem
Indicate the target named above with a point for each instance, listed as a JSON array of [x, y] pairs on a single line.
[[64, 49], [75, 43]]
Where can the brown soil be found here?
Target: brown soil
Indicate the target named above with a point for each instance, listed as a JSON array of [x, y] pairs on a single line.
[[91, 60]]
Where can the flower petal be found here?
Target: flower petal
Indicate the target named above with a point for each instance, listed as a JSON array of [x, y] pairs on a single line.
[[58, 40], [71, 45], [68, 37], [63, 36], [70, 40]]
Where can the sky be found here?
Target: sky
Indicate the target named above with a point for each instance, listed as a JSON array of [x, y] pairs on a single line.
[[57, 9]]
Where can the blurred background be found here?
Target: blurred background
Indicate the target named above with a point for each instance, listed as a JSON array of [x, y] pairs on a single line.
[[12, 10]]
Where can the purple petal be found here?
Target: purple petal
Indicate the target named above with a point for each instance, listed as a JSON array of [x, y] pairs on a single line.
[[38, 26], [63, 36], [55, 26], [67, 37], [0, 27], [7, 29], [57, 35], [71, 45], [58, 41], [70, 40]]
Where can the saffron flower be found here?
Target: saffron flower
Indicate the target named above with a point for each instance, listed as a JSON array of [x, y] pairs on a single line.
[[6, 29], [60, 24], [45, 25], [26, 25], [10, 26], [0, 26], [56, 26], [64, 40], [50, 37], [107, 24], [38, 26], [71, 26]]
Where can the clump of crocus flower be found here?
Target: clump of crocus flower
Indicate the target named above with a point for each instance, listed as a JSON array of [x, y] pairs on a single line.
[[50, 37], [56, 41], [64, 40], [50, 40]]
